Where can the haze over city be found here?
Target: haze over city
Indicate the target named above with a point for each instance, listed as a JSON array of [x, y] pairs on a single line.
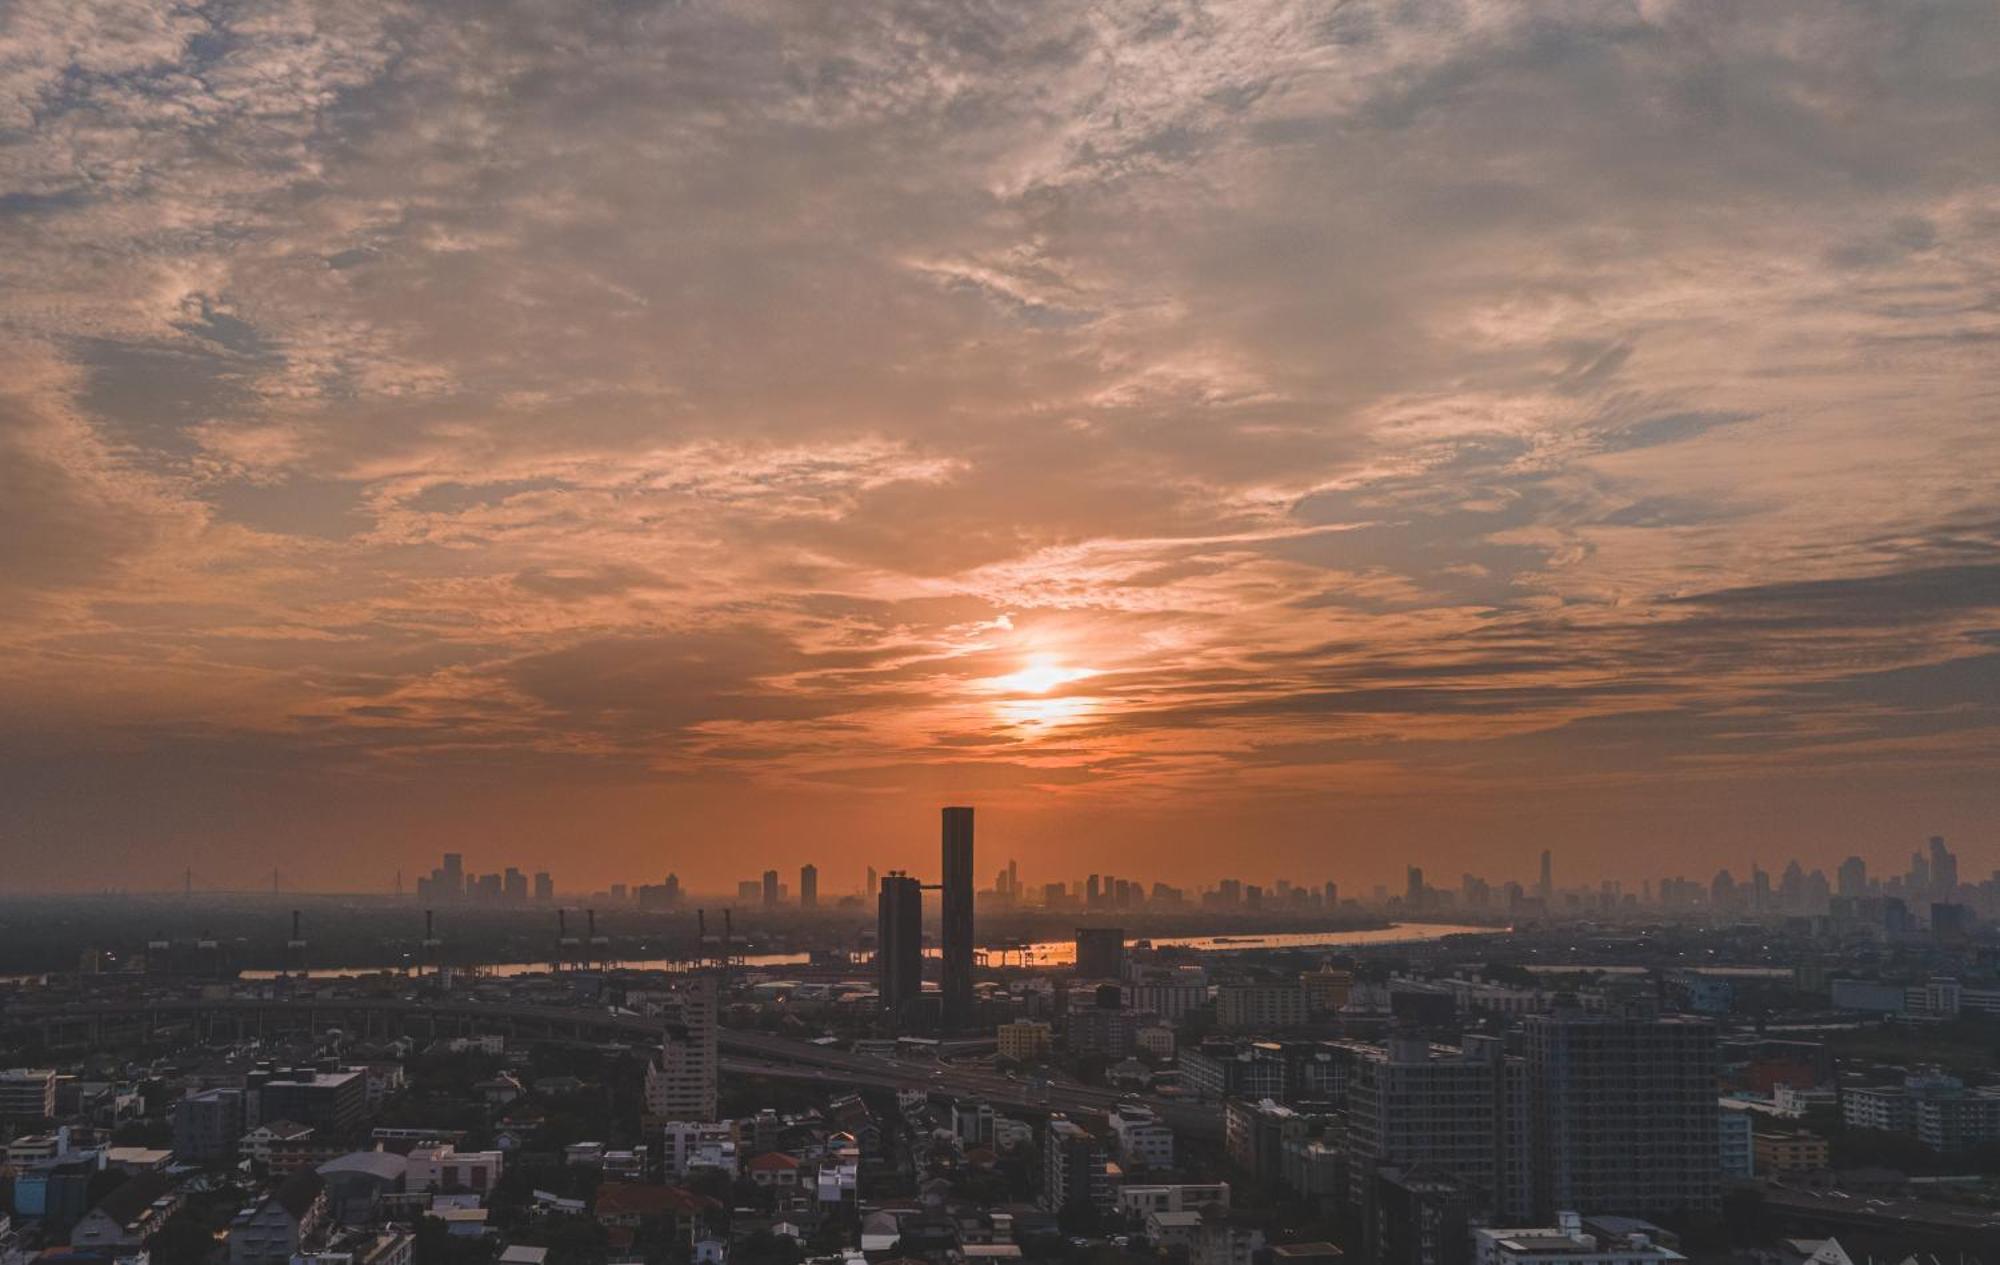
[[1260, 439]]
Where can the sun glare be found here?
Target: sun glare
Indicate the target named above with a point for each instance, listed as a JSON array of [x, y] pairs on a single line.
[[1038, 677]]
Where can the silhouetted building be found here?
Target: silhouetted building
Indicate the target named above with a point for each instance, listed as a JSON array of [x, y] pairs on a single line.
[[956, 906], [899, 941], [770, 889], [1100, 952], [808, 886]]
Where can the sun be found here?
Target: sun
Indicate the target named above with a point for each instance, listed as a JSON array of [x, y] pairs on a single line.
[[1039, 677]]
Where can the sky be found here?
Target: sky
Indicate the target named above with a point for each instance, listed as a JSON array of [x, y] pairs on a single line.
[[1275, 439]]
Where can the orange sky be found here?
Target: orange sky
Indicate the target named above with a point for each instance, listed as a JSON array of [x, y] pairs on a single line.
[[1256, 438]]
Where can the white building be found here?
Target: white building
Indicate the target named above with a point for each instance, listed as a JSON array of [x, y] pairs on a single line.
[[691, 1142], [1140, 1200], [1564, 1243], [681, 1082], [1144, 1140], [444, 1167]]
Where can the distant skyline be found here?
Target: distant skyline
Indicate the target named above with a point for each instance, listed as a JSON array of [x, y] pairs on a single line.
[[1279, 438]]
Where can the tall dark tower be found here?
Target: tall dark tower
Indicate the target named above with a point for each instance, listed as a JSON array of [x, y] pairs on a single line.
[[957, 916], [809, 886], [899, 941]]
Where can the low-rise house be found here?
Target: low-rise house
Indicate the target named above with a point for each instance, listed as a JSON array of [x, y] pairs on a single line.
[[129, 1215], [774, 1169], [258, 1143], [288, 1219]]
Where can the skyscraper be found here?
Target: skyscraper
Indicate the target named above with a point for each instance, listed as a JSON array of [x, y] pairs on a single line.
[[899, 941], [956, 909], [1944, 869], [808, 886], [1853, 878], [1546, 887], [770, 889]]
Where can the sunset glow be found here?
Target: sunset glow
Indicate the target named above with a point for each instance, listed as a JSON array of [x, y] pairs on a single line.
[[1038, 678], [649, 434]]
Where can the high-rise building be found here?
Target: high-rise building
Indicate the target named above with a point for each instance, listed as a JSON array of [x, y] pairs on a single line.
[[1853, 878], [770, 889], [681, 1082], [545, 886], [956, 916], [808, 886], [514, 886], [1075, 1172], [1944, 869], [1461, 1113], [1625, 1113], [1545, 887], [453, 874], [1100, 952], [874, 883], [899, 941], [1413, 889]]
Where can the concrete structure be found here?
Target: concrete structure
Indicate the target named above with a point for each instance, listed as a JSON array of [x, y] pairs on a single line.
[[1074, 1171], [1024, 1040], [1782, 1151], [1735, 1128], [444, 1169], [27, 1093], [899, 942], [1565, 1243], [333, 1103], [681, 1084], [1139, 1199], [1261, 1007], [1100, 952], [1144, 1141], [1460, 1113], [208, 1125], [1625, 1113], [956, 916]]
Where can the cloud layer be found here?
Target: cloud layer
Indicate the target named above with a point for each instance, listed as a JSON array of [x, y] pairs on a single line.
[[587, 431]]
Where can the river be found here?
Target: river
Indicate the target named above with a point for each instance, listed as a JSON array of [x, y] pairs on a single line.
[[1038, 953]]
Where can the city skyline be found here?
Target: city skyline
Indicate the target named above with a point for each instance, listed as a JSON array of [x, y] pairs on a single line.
[[1337, 435]]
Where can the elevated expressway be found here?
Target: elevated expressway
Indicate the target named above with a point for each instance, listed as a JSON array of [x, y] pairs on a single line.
[[97, 1024]]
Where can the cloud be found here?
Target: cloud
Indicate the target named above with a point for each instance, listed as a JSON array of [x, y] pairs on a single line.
[[1373, 395]]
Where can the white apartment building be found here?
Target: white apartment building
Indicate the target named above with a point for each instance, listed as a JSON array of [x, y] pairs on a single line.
[[1565, 1243]]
